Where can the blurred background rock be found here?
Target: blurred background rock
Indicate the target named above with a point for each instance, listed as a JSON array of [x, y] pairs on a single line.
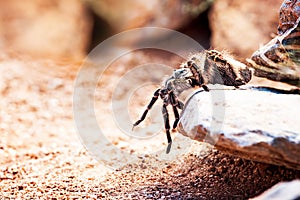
[[69, 29], [242, 26], [45, 28]]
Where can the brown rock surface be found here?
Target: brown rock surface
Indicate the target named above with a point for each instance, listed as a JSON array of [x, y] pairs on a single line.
[[288, 15], [255, 124], [241, 26], [278, 60], [55, 29], [123, 15]]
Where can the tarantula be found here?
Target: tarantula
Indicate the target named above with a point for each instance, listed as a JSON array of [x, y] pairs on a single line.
[[205, 67]]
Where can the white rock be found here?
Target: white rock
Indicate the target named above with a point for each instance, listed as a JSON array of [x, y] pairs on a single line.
[[255, 124]]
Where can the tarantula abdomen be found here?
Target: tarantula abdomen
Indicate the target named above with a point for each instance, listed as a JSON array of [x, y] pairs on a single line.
[[213, 67]]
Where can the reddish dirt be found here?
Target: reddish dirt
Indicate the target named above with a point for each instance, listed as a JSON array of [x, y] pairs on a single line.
[[214, 176]]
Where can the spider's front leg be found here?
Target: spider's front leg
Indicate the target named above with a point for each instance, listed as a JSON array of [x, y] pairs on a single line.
[[175, 104], [167, 122], [198, 79], [153, 100], [167, 126]]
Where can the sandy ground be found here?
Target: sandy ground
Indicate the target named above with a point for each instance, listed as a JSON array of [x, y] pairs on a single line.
[[44, 156]]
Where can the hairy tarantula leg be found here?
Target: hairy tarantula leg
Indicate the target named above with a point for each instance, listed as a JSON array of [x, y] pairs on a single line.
[[176, 114], [175, 103], [180, 105], [205, 88], [199, 78], [167, 122], [153, 100], [167, 127]]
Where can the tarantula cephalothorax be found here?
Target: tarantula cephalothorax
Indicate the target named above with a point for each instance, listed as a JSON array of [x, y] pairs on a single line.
[[205, 67]]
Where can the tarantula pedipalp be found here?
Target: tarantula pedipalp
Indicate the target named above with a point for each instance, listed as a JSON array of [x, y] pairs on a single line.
[[205, 67]]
